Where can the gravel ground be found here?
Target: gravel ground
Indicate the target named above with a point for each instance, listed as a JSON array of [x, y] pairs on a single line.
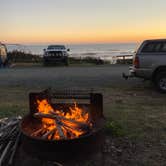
[[91, 77]]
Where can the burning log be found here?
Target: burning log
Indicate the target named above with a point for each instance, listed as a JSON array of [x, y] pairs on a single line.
[[59, 129], [68, 128], [72, 127], [45, 136], [69, 123], [51, 132], [36, 133], [79, 125], [83, 125]]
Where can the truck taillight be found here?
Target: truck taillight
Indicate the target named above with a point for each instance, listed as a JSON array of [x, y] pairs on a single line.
[[136, 62]]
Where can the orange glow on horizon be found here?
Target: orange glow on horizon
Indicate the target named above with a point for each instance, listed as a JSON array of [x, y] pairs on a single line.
[[118, 39], [80, 37]]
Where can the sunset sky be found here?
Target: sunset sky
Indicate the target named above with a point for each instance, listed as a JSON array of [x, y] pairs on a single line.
[[81, 21]]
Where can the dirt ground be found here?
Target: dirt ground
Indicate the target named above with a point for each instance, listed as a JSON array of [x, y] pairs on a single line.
[[135, 133]]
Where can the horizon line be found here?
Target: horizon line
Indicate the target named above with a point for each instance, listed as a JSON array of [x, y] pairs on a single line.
[[65, 43]]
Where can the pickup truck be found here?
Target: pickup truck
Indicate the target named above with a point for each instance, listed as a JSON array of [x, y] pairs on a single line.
[[55, 54], [149, 62]]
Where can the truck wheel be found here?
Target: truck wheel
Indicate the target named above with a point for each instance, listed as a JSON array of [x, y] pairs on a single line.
[[161, 82]]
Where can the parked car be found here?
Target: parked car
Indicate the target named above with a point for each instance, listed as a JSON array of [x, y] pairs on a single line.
[[56, 54], [3, 55], [149, 62]]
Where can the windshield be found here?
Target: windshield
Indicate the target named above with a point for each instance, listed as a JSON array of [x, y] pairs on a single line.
[[61, 47]]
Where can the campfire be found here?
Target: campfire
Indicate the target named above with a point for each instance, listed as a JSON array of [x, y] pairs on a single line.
[[62, 123], [54, 130], [59, 124]]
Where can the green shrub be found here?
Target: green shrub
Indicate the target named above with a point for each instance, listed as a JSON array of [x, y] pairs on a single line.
[[82, 60], [20, 56], [16, 56]]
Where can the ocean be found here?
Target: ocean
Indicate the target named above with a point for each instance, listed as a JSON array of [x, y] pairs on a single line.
[[102, 51]]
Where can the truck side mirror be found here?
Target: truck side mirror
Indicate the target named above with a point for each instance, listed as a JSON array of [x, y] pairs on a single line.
[[68, 49]]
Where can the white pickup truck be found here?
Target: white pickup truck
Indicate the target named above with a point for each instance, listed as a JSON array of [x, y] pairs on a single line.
[[149, 62]]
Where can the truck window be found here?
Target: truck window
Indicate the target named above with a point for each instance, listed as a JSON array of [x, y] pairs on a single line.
[[163, 48], [152, 47]]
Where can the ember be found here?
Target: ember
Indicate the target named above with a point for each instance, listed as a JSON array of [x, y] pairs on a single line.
[[59, 124]]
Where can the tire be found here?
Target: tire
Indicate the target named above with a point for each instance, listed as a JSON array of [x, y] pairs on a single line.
[[160, 82]]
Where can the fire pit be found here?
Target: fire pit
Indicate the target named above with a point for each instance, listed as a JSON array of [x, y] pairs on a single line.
[[62, 123]]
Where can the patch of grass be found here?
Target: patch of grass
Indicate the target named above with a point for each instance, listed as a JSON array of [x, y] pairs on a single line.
[[13, 101], [12, 110], [113, 128], [140, 113]]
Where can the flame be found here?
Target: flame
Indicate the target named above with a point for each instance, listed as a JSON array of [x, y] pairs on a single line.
[[70, 122]]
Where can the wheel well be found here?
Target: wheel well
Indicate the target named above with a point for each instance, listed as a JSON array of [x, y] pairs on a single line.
[[158, 70]]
